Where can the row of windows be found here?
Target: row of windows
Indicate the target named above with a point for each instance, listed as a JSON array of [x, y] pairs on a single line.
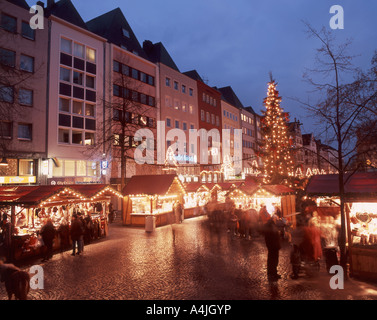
[[76, 137], [129, 141], [230, 115], [77, 77], [209, 118], [249, 144], [247, 119], [25, 96], [133, 95], [24, 130], [133, 73], [178, 105], [176, 124], [78, 50], [248, 132], [9, 23], [176, 86], [8, 58], [209, 99], [72, 168], [133, 118]]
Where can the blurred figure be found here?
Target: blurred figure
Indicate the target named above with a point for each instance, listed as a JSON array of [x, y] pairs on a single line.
[[272, 239], [48, 234], [77, 231]]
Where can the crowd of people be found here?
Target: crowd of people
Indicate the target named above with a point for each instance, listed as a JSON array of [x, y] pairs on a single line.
[[308, 238]]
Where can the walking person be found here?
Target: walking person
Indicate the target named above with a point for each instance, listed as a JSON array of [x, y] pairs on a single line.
[[48, 234], [77, 232], [272, 239]]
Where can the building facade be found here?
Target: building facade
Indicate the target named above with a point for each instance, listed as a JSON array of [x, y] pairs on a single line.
[[75, 97], [23, 79]]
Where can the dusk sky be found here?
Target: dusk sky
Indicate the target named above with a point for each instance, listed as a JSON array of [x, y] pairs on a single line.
[[237, 43]]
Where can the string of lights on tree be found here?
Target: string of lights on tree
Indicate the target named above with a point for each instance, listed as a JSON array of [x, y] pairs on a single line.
[[278, 165]]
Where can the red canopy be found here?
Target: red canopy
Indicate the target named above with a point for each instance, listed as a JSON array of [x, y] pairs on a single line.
[[359, 184]]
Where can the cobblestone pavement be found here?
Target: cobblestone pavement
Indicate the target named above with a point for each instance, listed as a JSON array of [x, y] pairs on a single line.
[[188, 261]]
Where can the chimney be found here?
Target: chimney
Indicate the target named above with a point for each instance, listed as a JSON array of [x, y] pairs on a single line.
[[147, 46]]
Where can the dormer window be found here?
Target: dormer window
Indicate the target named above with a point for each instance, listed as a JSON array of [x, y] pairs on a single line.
[[125, 33]]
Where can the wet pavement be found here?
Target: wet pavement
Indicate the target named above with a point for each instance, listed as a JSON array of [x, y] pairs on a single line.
[[188, 261]]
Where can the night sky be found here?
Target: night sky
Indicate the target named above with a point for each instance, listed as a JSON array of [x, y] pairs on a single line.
[[239, 42]]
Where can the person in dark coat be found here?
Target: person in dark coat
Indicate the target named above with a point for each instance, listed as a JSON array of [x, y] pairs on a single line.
[[77, 232], [272, 239], [48, 234]]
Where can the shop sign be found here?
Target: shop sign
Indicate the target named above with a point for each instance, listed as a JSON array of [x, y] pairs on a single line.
[[17, 179]]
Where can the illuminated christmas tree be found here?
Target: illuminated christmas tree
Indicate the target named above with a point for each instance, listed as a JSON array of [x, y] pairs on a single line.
[[278, 165]]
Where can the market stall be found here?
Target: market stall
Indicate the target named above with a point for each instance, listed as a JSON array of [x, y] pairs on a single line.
[[278, 199], [152, 195], [361, 216], [26, 209], [196, 197]]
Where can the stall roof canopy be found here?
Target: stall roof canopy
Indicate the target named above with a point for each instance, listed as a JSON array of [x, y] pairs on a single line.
[[151, 184], [357, 184], [35, 195]]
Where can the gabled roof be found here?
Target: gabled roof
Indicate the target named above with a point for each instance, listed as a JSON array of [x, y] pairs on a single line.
[[151, 184], [157, 53], [229, 96], [193, 74], [65, 10], [20, 3], [110, 25]]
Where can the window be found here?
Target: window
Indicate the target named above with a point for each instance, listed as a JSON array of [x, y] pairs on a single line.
[[176, 105], [143, 77], [168, 102], [184, 125], [26, 167], [77, 107], [8, 23], [90, 82], [89, 138], [24, 131], [183, 88], [27, 32], [167, 82], [208, 118], [191, 92], [65, 74], [116, 66], [213, 119], [69, 168], [27, 63], [6, 93], [125, 70], [63, 136], [135, 74], [7, 57], [168, 122], [78, 50], [176, 124], [184, 107], [125, 33], [5, 129], [175, 85], [202, 115], [66, 45], [89, 110], [64, 105], [76, 137], [191, 108], [77, 78], [91, 55], [25, 97]]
